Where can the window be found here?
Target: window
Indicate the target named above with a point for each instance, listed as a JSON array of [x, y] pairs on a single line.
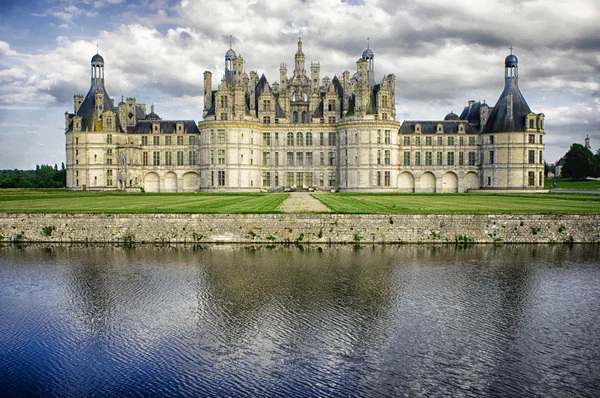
[[109, 138], [192, 158], [179, 158], [290, 158], [378, 181], [407, 158], [221, 176], [331, 106], [461, 158], [109, 152], [299, 139], [491, 139], [332, 159], [266, 159], [266, 139], [266, 177], [192, 140], [267, 119], [321, 139], [179, 140], [266, 105], [308, 179], [541, 179], [212, 137], [168, 158], [309, 158], [541, 157], [439, 159], [386, 178], [489, 181], [440, 140], [428, 140], [276, 139], [144, 140], [472, 141], [299, 159], [417, 140], [156, 158], [531, 138], [379, 136], [472, 158], [144, 158], [531, 157], [461, 140], [531, 178], [541, 139], [168, 140], [212, 178], [290, 139], [417, 158], [276, 179], [531, 123], [155, 140], [450, 158], [387, 156], [379, 157], [428, 158], [384, 101], [491, 157], [451, 140], [223, 103], [331, 179], [212, 156], [300, 179], [276, 159], [406, 140], [109, 174], [294, 118], [388, 137], [322, 163], [332, 139], [221, 137], [330, 119], [221, 156], [309, 140]]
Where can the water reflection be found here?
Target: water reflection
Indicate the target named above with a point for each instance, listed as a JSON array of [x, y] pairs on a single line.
[[300, 321]]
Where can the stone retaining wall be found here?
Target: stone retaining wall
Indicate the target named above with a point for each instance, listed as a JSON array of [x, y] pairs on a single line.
[[298, 228]]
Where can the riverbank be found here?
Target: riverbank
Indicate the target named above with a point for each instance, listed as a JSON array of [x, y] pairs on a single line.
[[298, 228]]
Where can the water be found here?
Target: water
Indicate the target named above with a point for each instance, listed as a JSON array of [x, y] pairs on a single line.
[[306, 321]]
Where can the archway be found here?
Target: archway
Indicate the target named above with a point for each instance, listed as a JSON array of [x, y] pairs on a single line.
[[406, 182], [170, 182], [471, 181], [152, 182], [449, 182], [427, 182], [190, 182]]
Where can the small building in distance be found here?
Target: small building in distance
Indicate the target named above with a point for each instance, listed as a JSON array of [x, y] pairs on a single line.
[[302, 132]]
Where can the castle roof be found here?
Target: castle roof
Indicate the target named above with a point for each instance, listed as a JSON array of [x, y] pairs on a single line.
[[510, 110]]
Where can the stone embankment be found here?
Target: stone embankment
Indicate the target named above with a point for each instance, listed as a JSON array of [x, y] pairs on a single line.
[[298, 228]]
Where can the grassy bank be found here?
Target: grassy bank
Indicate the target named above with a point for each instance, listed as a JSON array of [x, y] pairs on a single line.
[[60, 201], [460, 203], [567, 183]]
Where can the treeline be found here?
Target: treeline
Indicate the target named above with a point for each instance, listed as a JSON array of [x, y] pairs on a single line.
[[581, 163], [44, 176]]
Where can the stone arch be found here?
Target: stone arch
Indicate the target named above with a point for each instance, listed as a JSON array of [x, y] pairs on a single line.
[[152, 182], [427, 183], [471, 181], [450, 182], [170, 182], [190, 182], [406, 182]]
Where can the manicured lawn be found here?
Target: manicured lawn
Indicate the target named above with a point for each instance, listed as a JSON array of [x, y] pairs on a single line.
[[60, 201], [567, 183], [461, 203]]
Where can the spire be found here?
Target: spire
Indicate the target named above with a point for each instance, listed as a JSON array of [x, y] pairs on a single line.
[[299, 58]]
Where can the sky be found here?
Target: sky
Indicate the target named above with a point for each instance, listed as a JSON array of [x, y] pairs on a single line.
[[443, 54]]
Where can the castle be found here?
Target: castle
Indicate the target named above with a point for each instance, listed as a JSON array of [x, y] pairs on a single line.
[[302, 132]]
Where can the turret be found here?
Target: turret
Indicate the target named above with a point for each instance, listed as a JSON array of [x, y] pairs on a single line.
[[207, 92]]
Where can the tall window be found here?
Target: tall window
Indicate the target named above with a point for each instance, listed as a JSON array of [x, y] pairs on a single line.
[[332, 139], [192, 158], [221, 156], [417, 140], [378, 178], [450, 140], [156, 158], [266, 139], [221, 178], [168, 158], [192, 140], [309, 158], [266, 179], [406, 140], [439, 159], [299, 139], [450, 158], [417, 158], [179, 158], [276, 139], [321, 138], [290, 158], [221, 137], [531, 157], [295, 117], [309, 140], [276, 159], [332, 158], [299, 159], [266, 159], [145, 158], [386, 178], [109, 138], [461, 158], [144, 140], [379, 156], [491, 157], [388, 137], [290, 138], [440, 140], [428, 141], [155, 140], [322, 157], [407, 158], [179, 140], [472, 158], [428, 158], [387, 156], [531, 178], [266, 105], [541, 157], [168, 140], [472, 141]]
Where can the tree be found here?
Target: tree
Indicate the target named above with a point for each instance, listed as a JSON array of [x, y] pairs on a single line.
[[579, 163]]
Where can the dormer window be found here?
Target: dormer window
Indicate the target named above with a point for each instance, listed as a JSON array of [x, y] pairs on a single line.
[[440, 129], [417, 128]]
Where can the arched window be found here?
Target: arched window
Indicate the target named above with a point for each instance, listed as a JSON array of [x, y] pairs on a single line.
[[299, 139], [295, 117], [304, 117], [309, 141], [290, 138]]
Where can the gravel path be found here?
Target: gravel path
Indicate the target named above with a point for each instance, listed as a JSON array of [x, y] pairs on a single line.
[[302, 202]]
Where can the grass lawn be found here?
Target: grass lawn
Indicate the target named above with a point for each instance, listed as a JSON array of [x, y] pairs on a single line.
[[461, 203], [567, 183], [60, 201]]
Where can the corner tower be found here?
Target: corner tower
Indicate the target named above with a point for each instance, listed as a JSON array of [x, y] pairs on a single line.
[[512, 140]]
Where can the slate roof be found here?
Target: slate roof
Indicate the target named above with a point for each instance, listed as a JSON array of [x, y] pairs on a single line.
[[430, 127], [87, 108], [501, 118], [166, 127]]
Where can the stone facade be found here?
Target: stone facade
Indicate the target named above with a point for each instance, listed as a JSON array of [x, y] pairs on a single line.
[[298, 228], [303, 131]]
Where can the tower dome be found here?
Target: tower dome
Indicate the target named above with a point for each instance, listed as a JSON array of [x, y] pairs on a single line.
[[152, 115], [511, 61], [451, 117], [368, 54], [230, 55], [97, 58]]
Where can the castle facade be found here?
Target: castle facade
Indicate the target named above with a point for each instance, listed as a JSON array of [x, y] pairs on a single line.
[[302, 132]]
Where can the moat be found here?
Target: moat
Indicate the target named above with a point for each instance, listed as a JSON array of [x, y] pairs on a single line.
[[312, 320]]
